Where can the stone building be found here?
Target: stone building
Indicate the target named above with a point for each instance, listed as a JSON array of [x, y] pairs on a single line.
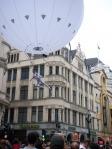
[[4, 99], [65, 103], [101, 74]]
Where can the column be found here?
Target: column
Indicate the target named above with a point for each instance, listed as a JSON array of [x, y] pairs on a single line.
[[17, 95], [63, 115], [77, 91], [84, 125], [53, 91], [16, 115], [71, 116], [45, 114], [53, 115], [77, 118], [67, 114], [36, 114], [59, 115], [30, 85], [29, 113]]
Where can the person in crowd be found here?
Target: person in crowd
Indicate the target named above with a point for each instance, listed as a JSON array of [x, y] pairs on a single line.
[[31, 138], [82, 142], [74, 145], [57, 142], [16, 144], [94, 146]]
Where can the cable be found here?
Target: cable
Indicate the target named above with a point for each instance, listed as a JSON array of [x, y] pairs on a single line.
[[22, 28], [6, 23], [65, 22], [35, 23], [49, 24]]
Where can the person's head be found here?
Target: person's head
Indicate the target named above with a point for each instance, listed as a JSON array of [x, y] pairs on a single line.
[[31, 138], [57, 142], [82, 138], [94, 146], [74, 145]]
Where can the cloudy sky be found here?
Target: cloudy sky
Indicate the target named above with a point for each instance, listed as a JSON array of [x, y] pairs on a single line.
[[96, 29]]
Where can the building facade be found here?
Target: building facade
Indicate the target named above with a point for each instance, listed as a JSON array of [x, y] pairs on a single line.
[[65, 103], [4, 99], [101, 74]]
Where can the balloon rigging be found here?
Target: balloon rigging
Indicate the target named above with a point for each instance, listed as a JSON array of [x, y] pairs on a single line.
[[40, 26]]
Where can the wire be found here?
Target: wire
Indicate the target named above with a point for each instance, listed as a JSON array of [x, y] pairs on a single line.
[[49, 24], [22, 28], [65, 22], [35, 23], [10, 28]]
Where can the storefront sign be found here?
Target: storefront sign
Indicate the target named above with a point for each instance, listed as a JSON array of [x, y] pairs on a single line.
[[29, 126]]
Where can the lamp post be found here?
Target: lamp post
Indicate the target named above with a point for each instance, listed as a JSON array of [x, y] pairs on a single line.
[[88, 119]]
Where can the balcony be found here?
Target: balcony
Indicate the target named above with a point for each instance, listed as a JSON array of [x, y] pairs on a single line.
[[56, 78]]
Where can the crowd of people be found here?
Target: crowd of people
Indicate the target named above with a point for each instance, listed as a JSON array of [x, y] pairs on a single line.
[[57, 141]]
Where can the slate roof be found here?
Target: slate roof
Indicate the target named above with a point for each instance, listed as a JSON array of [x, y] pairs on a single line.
[[92, 62]]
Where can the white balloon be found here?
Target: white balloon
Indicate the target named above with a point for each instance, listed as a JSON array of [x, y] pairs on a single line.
[[40, 25]]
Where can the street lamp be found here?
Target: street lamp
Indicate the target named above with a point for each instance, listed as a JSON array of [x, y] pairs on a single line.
[[88, 119]]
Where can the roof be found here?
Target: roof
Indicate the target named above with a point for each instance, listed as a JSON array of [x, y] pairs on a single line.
[[92, 62], [72, 53]]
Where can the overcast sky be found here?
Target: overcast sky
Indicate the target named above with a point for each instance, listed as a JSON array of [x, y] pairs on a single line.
[[96, 29]]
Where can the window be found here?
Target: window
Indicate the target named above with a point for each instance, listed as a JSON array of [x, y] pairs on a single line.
[[24, 92], [80, 66], [81, 100], [65, 92], [41, 91], [9, 75], [50, 70], [69, 116], [24, 73], [14, 74], [86, 86], [49, 115], [14, 57], [8, 91], [50, 91], [42, 70], [13, 93], [56, 91], [74, 118], [68, 94], [34, 92], [17, 57], [74, 97], [65, 114], [98, 125], [81, 119], [62, 92], [86, 102], [11, 115], [56, 115], [40, 113], [74, 78], [22, 115], [62, 71], [35, 69], [68, 75], [91, 89], [8, 58], [57, 70], [33, 118], [11, 58]]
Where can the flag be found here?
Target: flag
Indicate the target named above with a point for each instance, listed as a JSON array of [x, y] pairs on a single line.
[[98, 47]]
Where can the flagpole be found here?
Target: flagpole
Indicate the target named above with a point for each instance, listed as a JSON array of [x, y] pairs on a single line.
[[98, 48]]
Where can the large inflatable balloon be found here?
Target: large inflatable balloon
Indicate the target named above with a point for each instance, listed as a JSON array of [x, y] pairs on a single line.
[[40, 25]]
